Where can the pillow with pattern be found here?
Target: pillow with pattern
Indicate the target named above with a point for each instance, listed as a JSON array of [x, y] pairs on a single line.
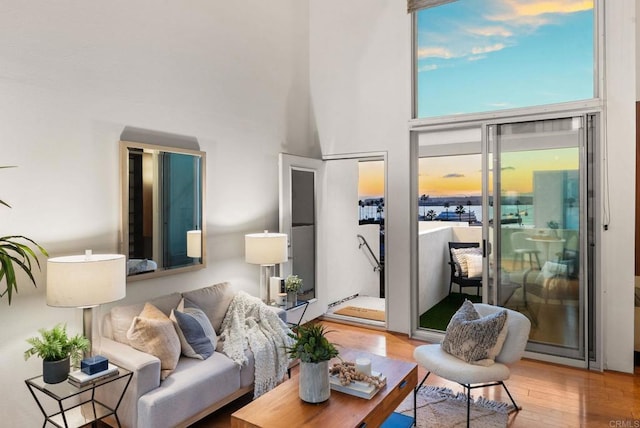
[[475, 339]]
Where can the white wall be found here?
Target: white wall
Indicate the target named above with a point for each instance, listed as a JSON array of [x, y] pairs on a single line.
[[360, 71], [73, 75], [617, 244]]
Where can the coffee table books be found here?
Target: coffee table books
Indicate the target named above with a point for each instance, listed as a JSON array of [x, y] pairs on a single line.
[[79, 378], [357, 388]]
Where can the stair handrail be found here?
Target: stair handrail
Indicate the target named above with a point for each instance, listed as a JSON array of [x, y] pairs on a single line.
[[363, 242]]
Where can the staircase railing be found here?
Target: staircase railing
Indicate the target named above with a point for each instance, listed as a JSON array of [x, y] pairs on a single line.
[[363, 243]]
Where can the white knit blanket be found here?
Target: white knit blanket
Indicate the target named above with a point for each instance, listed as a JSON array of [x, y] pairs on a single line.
[[249, 323]]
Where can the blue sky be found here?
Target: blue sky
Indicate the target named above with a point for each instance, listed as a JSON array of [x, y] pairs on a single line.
[[486, 55]]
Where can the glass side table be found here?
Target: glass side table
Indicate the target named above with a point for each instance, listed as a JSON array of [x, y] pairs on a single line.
[[83, 410], [290, 307]]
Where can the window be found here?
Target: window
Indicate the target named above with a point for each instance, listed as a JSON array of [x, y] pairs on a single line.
[[485, 55]]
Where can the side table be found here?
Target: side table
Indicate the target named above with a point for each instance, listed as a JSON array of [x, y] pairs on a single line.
[[83, 410]]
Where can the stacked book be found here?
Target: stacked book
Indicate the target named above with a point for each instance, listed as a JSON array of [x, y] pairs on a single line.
[[79, 378]]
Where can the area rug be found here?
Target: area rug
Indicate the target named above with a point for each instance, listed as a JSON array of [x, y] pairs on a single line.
[[358, 312], [439, 407]]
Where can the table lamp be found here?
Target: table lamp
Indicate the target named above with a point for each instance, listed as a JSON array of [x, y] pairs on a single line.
[[194, 244], [86, 281], [266, 249]]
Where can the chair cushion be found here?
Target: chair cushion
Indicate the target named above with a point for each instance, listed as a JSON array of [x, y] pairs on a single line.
[[460, 261], [153, 332], [445, 365], [474, 265], [197, 337], [475, 339]]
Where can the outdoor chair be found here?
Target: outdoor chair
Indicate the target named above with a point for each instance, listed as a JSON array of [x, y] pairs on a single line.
[[435, 360], [458, 262], [522, 247]]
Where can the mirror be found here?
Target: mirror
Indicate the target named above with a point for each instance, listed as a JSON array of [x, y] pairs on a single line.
[[162, 194]]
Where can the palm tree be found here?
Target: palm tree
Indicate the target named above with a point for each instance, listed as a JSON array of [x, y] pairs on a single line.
[[469, 210], [460, 211], [423, 203], [446, 208], [431, 214], [361, 208]]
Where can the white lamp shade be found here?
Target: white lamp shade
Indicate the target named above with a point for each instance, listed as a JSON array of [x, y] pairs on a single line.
[[266, 248], [194, 243], [86, 280]]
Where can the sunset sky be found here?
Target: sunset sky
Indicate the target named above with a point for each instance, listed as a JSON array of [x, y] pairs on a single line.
[[484, 55]]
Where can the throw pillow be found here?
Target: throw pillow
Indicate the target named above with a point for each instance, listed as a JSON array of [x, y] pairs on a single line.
[[474, 265], [197, 337], [474, 339], [153, 332], [460, 261]]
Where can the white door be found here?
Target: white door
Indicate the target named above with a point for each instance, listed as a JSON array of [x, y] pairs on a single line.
[[301, 200]]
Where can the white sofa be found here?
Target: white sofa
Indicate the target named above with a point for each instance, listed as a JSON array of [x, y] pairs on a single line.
[[194, 389]]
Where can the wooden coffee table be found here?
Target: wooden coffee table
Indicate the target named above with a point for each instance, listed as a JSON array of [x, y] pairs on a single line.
[[283, 407]]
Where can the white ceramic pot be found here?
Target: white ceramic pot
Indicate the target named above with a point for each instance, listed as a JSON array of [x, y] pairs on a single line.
[[314, 382]]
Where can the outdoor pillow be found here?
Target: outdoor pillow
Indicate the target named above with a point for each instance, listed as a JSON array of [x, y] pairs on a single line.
[[474, 339], [474, 265], [458, 255], [153, 332], [197, 337]]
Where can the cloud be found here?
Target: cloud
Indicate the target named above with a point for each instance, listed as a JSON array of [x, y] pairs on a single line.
[[487, 49], [428, 67], [507, 168], [491, 31], [453, 175], [531, 12], [434, 51]]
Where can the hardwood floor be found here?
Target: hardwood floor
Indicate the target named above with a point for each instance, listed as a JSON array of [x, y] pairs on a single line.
[[550, 395]]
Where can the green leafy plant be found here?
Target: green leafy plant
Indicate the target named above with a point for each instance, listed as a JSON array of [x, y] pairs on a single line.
[[15, 255], [310, 345], [55, 345], [293, 283]]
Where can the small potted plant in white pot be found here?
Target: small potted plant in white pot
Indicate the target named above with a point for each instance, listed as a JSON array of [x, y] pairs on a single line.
[[56, 349], [292, 285], [314, 351]]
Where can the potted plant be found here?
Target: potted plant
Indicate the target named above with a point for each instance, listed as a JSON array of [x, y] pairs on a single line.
[[56, 349], [292, 285], [314, 351], [14, 255]]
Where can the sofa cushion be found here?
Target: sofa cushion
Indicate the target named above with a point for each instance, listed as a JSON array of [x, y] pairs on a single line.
[[192, 388], [213, 300], [197, 337], [122, 316], [153, 332], [475, 339]]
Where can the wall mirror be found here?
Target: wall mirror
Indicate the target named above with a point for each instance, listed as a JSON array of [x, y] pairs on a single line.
[[162, 198]]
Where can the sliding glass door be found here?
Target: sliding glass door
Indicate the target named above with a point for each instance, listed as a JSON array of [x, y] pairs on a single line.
[[518, 190], [535, 184]]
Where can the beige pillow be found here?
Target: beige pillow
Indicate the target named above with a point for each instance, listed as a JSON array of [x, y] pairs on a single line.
[[122, 316], [153, 332]]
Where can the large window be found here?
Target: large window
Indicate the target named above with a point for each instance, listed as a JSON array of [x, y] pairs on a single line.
[[485, 55]]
